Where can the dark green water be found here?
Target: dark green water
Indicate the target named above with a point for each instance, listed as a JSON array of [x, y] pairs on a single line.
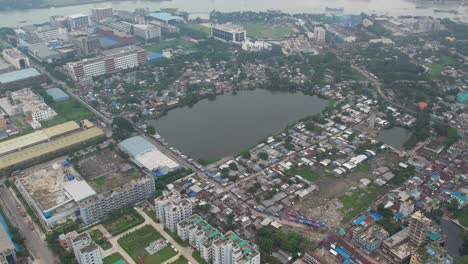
[[232, 123]]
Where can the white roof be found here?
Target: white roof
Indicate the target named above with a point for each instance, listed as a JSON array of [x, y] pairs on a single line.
[[79, 190], [155, 159]]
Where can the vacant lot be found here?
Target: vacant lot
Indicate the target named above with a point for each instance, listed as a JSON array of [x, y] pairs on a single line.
[[67, 111], [264, 31], [135, 243], [180, 260], [438, 66], [356, 201], [122, 222], [170, 44]]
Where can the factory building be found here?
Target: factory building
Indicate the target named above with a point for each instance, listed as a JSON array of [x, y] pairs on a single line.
[[147, 156], [170, 209], [86, 251], [16, 58], [165, 18], [146, 32], [110, 61], [88, 43], [214, 247], [21, 78], [229, 33]]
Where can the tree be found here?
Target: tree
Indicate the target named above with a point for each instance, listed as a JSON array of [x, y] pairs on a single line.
[[151, 130], [263, 155], [233, 166], [246, 155]]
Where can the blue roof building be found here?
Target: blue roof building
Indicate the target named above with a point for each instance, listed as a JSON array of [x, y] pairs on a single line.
[[57, 95], [166, 17], [154, 57]]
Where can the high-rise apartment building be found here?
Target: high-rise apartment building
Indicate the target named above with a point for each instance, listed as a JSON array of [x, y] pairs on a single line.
[[215, 247], [171, 209], [319, 34], [102, 13], [78, 22], [86, 251], [418, 227], [146, 32]]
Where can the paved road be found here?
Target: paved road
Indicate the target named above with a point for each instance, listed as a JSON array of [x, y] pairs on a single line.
[[33, 240]]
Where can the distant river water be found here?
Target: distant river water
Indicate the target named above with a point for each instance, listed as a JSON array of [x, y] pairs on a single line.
[[389, 7], [233, 123]]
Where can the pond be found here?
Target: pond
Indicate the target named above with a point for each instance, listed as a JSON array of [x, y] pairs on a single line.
[[395, 136], [454, 242], [213, 129]]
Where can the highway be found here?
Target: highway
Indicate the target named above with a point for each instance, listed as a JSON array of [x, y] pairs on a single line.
[[33, 239]]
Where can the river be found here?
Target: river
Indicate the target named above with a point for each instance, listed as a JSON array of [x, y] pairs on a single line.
[[232, 123], [393, 7], [395, 136]]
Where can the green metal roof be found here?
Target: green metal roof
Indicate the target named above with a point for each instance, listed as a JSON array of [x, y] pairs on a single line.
[[222, 237], [433, 236], [206, 227], [186, 219], [199, 220], [233, 238], [247, 251], [243, 242], [214, 233]]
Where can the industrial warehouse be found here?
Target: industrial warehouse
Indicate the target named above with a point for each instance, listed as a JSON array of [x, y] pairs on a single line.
[[46, 141], [93, 188]]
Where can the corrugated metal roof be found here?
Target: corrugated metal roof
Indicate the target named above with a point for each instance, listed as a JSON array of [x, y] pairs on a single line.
[[19, 75], [165, 16], [136, 145]]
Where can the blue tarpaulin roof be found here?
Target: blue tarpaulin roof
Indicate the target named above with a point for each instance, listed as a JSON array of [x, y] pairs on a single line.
[[376, 216], [359, 220]]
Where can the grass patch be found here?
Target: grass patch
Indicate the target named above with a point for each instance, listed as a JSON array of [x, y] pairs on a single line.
[[356, 201], [67, 111], [134, 244], [199, 28], [123, 221], [305, 172], [177, 238], [264, 31], [98, 237], [173, 43], [180, 260], [358, 76], [151, 214], [462, 216], [198, 258], [438, 66], [111, 259]]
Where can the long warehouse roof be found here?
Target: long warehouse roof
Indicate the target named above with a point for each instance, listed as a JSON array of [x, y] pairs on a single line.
[[36, 137], [48, 147]]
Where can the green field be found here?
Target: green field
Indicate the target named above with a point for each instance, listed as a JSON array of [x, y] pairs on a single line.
[[180, 260], [305, 172], [115, 258], [264, 31], [358, 76], [173, 43], [123, 222], [68, 111], [356, 202], [134, 244], [199, 28], [438, 66]]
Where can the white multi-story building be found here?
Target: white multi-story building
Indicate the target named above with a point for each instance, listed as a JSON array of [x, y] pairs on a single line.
[[78, 21], [319, 34], [110, 61], [86, 251], [229, 33], [102, 13], [146, 32], [214, 247], [406, 208], [96, 206], [16, 58], [32, 105], [171, 209]]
